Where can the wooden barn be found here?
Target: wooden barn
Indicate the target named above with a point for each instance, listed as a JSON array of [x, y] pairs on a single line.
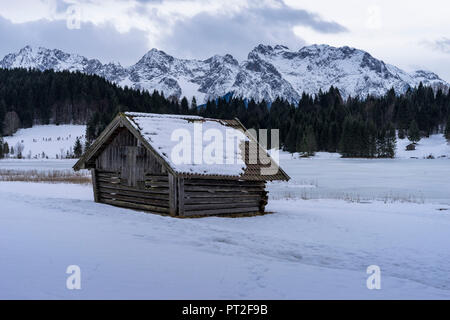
[[135, 164]]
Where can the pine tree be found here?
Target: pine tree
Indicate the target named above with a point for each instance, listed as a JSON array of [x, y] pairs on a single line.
[[401, 134], [308, 143], [381, 144], [391, 142], [78, 148], [447, 129], [347, 144], [86, 145], [1, 148], [2, 114], [5, 149], [184, 106], [413, 132], [194, 104], [291, 139], [371, 132], [19, 149]]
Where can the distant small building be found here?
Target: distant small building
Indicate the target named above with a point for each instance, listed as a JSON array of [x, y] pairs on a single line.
[[411, 147], [133, 166]]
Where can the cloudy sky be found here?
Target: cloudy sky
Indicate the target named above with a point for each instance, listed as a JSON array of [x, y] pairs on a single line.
[[410, 34]]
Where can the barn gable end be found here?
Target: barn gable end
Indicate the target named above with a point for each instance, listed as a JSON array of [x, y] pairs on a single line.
[[127, 171]]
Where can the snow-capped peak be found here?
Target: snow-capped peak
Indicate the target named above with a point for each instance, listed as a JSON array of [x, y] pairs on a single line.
[[43, 59], [270, 71]]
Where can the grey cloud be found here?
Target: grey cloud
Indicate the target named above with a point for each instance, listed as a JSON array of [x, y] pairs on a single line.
[[198, 37], [100, 42], [206, 34], [289, 16], [443, 45]]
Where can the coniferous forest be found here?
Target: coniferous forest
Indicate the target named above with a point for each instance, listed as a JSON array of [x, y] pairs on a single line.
[[324, 122]]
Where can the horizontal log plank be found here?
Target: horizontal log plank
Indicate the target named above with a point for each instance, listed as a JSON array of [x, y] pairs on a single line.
[[157, 190], [127, 188], [222, 189], [135, 206], [157, 203], [156, 178], [108, 178], [212, 206], [221, 200], [135, 195], [103, 180], [222, 211], [193, 195], [154, 196], [102, 171], [104, 176], [223, 183], [108, 174], [154, 184]]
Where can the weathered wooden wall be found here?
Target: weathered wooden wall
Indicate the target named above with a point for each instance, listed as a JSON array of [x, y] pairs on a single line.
[[128, 175], [124, 154], [213, 197]]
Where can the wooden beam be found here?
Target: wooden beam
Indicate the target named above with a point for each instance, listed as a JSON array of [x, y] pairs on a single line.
[[173, 203], [181, 198], [94, 185]]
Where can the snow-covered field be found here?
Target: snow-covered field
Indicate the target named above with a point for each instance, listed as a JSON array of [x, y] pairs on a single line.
[[329, 223], [317, 248], [47, 141], [305, 249]]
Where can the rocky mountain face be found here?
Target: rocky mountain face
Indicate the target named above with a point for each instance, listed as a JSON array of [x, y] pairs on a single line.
[[269, 72]]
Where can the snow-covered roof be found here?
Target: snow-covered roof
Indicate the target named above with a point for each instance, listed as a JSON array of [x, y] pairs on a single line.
[[193, 146], [167, 134]]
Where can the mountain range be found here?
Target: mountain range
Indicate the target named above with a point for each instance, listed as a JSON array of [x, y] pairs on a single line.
[[267, 73]]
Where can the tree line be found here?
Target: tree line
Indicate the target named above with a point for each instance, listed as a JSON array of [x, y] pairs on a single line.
[[355, 127]]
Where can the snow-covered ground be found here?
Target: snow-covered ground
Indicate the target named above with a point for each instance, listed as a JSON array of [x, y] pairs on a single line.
[[305, 249], [436, 146], [394, 213], [47, 140]]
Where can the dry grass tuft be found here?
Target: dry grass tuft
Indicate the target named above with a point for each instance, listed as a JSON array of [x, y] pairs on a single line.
[[51, 176]]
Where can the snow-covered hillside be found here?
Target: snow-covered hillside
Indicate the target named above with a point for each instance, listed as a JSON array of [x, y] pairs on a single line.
[[269, 72], [436, 146], [47, 141], [55, 140]]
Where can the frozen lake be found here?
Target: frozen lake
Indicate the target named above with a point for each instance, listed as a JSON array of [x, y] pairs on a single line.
[[417, 180], [47, 164], [413, 180]]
